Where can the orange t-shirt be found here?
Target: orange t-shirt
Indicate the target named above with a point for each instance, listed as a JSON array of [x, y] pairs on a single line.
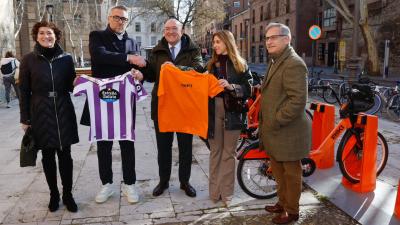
[[183, 100]]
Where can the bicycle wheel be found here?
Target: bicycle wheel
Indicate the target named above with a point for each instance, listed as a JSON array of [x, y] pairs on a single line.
[[242, 143], [329, 96], [255, 178], [343, 89], [393, 107], [377, 105], [349, 156], [309, 115]]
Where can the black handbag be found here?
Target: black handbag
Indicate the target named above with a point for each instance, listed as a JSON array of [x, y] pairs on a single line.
[[28, 153], [233, 104]]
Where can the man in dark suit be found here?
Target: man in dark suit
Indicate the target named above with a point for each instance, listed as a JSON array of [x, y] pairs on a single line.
[[178, 49], [113, 53]]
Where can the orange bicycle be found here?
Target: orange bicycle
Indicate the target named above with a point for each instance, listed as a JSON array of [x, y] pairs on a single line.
[[254, 173]]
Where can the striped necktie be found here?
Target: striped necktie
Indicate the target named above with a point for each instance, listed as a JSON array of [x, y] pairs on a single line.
[[173, 52]]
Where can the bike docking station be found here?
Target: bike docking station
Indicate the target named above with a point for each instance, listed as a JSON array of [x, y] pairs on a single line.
[[366, 167], [322, 125]]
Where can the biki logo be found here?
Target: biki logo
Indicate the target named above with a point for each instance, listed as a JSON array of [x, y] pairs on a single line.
[[109, 95]]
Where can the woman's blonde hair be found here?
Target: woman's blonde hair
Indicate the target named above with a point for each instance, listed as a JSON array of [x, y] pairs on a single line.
[[227, 37]]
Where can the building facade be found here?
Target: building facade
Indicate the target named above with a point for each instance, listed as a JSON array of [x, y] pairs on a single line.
[[249, 26], [334, 48]]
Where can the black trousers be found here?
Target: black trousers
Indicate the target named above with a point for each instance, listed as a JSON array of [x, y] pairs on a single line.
[[164, 146], [65, 165], [104, 156]]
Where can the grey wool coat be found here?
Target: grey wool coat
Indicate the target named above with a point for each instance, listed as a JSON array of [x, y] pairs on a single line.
[[285, 131]]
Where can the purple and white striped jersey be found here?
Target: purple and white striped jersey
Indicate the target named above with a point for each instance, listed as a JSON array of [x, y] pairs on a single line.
[[112, 105]]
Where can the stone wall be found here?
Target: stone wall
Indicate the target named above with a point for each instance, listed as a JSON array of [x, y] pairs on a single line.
[[7, 41]]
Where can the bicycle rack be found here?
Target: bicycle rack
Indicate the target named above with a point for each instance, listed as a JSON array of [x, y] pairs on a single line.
[[368, 163], [323, 123], [397, 204]]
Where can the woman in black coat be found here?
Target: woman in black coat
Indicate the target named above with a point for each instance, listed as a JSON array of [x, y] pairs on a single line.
[[46, 78], [224, 116]]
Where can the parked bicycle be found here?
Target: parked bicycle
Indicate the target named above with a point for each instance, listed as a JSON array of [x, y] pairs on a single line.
[[254, 172]]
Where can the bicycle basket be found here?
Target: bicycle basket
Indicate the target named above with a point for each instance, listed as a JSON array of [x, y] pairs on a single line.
[[361, 98]]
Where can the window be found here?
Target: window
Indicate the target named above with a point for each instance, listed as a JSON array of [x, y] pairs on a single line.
[[321, 51], [287, 22], [153, 27], [253, 54], [262, 13], [329, 17], [261, 52], [153, 40], [268, 12], [138, 27], [139, 40], [254, 16], [253, 31], [236, 4], [241, 31], [276, 8], [261, 33], [235, 34], [287, 6], [319, 19]]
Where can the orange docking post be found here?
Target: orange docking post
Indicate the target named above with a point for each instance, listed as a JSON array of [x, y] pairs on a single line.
[[367, 165], [322, 125]]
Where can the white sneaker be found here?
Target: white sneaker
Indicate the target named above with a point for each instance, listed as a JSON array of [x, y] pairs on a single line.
[[104, 193], [131, 193]]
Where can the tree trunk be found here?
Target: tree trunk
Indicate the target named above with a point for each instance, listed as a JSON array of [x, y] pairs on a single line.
[[373, 58]]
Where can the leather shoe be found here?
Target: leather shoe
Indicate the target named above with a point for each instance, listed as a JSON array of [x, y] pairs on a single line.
[[189, 190], [159, 189], [285, 218], [274, 208]]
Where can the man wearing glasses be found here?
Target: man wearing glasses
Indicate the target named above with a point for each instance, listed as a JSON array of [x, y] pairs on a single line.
[[113, 53], [285, 132], [178, 49]]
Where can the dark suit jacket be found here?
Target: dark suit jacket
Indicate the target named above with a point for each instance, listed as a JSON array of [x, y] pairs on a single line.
[[107, 58]]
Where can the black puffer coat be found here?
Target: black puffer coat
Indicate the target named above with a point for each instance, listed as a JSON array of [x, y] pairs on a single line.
[[189, 57], [53, 119]]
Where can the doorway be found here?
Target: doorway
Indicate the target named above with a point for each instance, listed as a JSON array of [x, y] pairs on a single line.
[[331, 53]]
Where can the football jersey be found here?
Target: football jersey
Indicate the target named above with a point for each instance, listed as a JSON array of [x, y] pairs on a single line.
[[183, 100], [112, 105]]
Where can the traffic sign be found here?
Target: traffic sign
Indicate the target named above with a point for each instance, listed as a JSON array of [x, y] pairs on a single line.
[[314, 32]]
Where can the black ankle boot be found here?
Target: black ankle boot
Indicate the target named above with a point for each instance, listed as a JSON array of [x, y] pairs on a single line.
[[69, 202], [53, 204]]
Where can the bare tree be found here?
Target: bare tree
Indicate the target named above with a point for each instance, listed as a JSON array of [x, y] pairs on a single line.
[[187, 11], [19, 9], [342, 7]]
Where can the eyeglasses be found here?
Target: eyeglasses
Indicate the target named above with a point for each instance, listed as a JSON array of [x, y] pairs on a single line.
[[119, 18], [274, 37]]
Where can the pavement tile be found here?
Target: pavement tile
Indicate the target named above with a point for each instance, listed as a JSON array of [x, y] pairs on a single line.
[[24, 193]]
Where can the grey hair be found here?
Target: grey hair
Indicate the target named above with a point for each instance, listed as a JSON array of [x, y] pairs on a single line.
[[178, 23], [120, 7], [284, 30]]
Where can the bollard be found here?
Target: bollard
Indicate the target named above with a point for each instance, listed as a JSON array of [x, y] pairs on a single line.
[[397, 204], [367, 164], [323, 123]]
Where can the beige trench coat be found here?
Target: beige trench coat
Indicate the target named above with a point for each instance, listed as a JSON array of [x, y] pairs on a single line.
[[285, 131]]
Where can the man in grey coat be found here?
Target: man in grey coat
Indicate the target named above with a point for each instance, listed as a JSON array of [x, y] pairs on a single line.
[[284, 128]]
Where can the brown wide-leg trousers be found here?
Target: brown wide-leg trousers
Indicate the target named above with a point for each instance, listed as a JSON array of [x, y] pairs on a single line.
[[288, 176], [222, 156]]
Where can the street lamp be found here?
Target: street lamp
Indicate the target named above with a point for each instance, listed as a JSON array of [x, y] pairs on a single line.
[[49, 10]]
